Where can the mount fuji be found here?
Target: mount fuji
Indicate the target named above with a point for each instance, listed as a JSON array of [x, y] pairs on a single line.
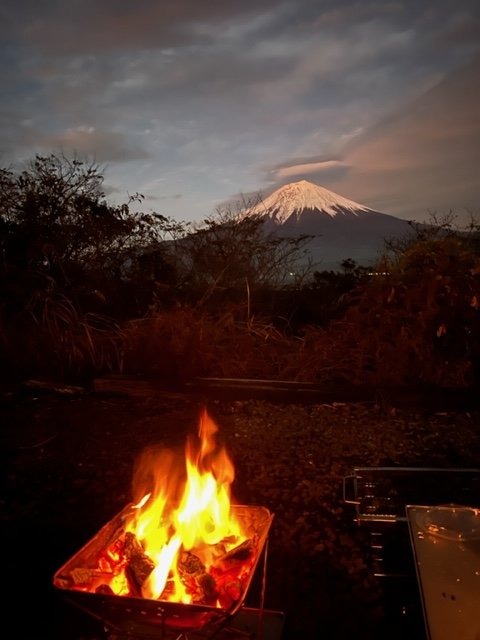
[[340, 228]]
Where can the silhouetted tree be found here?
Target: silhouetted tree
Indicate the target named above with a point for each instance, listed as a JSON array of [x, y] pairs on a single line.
[[58, 235], [233, 253]]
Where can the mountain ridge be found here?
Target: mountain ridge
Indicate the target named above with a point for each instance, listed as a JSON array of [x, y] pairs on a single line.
[[340, 228]]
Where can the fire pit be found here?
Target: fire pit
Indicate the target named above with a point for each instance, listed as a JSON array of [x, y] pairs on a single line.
[[179, 560]]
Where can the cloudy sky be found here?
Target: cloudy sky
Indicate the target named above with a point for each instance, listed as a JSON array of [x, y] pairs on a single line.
[[195, 102]]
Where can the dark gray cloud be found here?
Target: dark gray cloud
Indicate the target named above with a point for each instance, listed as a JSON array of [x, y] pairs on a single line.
[[100, 146], [422, 159], [76, 26], [200, 98], [103, 146], [426, 157]]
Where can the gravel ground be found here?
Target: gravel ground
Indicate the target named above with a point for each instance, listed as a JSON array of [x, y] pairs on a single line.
[[67, 466]]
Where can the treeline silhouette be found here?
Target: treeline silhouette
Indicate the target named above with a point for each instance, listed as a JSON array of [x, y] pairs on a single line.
[[89, 288]]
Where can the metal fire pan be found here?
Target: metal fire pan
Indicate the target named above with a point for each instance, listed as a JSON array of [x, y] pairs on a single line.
[[144, 617]]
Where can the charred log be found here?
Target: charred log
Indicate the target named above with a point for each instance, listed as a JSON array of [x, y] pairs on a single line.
[[239, 553], [139, 565], [193, 574], [190, 565]]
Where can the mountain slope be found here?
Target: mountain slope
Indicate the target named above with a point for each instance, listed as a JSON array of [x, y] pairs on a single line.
[[340, 228]]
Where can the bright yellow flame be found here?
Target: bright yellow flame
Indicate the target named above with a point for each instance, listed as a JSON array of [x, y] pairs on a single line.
[[142, 501], [158, 578], [190, 510]]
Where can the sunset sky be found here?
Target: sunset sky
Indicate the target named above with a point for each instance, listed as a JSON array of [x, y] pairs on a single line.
[[193, 103]]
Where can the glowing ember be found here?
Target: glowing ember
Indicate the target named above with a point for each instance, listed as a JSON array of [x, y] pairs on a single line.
[[181, 541]]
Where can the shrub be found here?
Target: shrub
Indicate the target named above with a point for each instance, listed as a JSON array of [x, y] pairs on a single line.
[[416, 323]]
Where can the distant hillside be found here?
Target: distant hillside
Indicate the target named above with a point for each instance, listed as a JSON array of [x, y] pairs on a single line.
[[341, 228]]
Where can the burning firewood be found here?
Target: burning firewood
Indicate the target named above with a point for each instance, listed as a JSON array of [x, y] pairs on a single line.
[[81, 576], [139, 565], [239, 553], [208, 589], [230, 582], [229, 593], [194, 576], [197, 538], [219, 549], [190, 565]]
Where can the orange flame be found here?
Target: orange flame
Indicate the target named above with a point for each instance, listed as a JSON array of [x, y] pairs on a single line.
[[183, 512]]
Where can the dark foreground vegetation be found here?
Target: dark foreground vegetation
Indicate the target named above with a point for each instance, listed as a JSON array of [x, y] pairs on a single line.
[[88, 288]]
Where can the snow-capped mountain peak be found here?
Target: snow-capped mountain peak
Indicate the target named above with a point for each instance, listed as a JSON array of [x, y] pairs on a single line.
[[296, 197], [338, 228]]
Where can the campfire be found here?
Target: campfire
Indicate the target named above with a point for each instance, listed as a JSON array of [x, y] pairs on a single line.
[[182, 555]]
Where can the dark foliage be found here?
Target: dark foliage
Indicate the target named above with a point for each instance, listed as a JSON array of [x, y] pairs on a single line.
[[233, 259], [88, 288], [68, 259], [59, 236]]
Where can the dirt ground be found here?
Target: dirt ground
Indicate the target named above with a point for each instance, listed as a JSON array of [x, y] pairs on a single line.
[[67, 464]]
